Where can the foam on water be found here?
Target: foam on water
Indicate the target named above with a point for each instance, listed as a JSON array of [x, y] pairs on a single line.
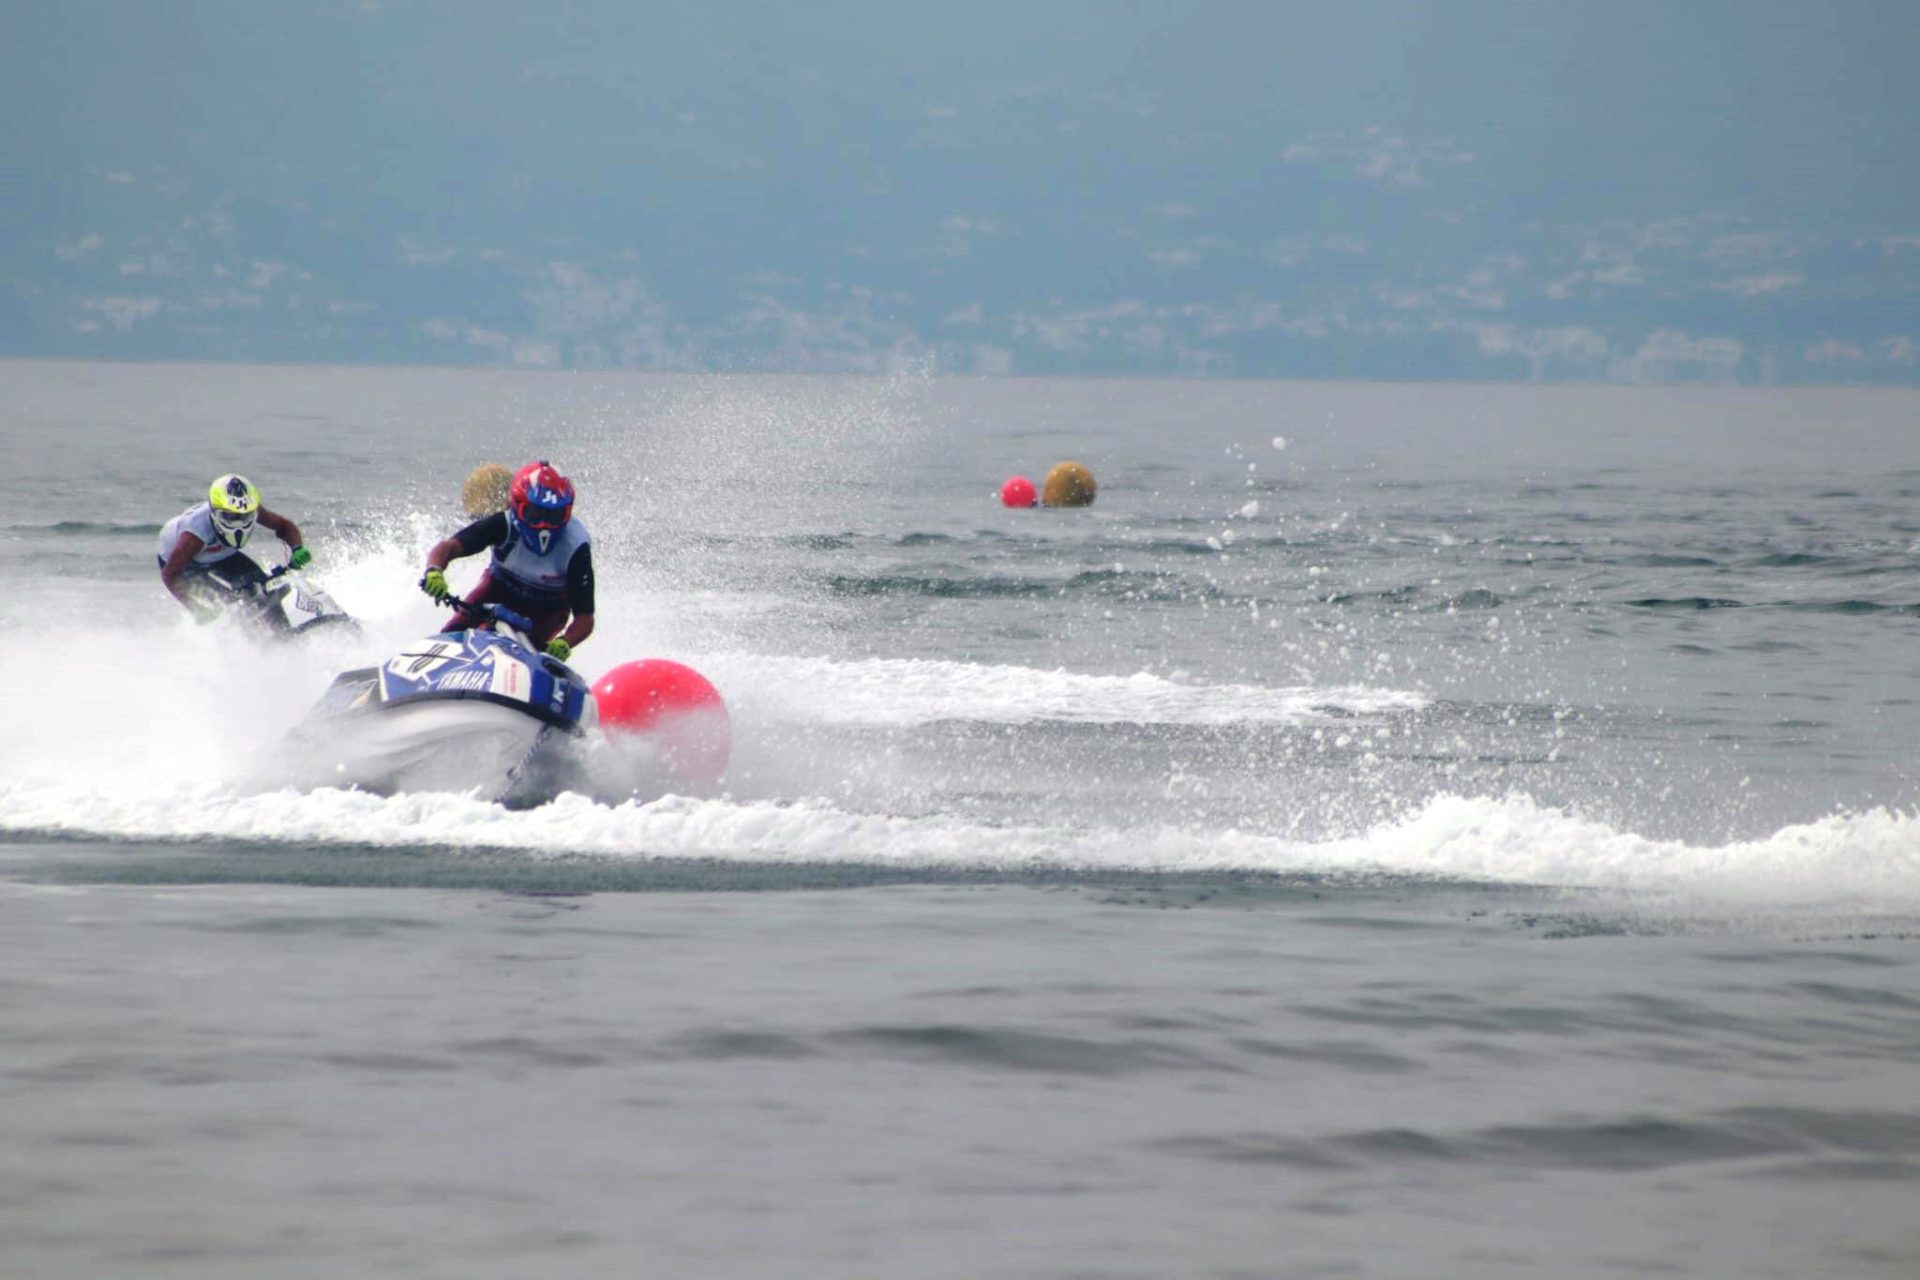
[[1864, 861], [894, 691]]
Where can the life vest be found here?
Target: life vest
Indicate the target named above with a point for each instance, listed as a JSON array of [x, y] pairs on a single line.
[[197, 521], [534, 579]]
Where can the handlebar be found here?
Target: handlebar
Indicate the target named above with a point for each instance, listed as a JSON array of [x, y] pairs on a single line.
[[258, 590], [490, 613]]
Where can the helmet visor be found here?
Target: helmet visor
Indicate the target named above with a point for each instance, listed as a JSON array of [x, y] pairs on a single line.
[[539, 515]]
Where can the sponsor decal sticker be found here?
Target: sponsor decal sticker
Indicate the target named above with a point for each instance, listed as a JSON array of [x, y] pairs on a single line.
[[510, 679]]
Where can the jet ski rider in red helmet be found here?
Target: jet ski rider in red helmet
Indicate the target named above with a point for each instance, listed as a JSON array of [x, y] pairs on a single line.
[[542, 562]]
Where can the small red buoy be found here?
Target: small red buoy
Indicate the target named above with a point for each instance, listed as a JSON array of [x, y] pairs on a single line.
[[675, 707], [1018, 492]]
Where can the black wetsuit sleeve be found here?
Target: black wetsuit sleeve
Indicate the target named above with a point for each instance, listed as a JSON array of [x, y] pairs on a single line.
[[488, 531], [580, 581]]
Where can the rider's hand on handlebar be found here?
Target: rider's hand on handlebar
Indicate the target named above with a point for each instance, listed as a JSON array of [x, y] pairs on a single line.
[[559, 648], [435, 585], [300, 558]]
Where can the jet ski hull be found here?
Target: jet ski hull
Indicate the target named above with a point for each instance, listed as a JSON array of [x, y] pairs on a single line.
[[465, 745], [478, 712]]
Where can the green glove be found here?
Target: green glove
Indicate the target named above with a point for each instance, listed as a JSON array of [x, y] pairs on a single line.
[[559, 648], [435, 585], [300, 558]]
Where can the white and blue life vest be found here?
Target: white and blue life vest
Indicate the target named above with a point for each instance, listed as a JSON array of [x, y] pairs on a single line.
[[197, 521], [538, 578]]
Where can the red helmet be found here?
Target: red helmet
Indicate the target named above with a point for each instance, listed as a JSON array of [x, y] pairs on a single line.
[[539, 501]]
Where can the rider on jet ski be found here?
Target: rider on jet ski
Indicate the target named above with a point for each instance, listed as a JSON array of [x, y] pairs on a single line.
[[199, 549], [542, 563]]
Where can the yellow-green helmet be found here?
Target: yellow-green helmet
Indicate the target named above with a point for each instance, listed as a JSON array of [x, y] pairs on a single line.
[[236, 505]]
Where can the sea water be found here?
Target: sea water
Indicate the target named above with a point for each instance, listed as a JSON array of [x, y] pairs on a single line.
[[1396, 830]]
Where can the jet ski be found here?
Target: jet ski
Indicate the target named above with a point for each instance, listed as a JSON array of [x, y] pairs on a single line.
[[478, 710], [286, 603]]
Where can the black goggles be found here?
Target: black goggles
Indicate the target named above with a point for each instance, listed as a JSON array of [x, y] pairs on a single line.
[[538, 517]]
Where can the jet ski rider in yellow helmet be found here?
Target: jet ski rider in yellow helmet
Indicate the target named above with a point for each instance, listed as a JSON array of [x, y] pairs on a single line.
[[199, 551]]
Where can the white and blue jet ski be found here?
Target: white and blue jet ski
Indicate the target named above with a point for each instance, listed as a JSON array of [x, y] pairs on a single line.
[[287, 603], [480, 711], [279, 604]]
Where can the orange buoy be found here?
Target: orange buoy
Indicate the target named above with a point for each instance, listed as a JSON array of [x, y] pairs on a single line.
[[485, 490], [1069, 484]]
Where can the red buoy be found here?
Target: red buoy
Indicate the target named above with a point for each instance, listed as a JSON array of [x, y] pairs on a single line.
[[676, 708], [1018, 492]]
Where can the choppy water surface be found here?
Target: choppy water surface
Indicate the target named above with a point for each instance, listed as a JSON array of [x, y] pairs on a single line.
[[1395, 831]]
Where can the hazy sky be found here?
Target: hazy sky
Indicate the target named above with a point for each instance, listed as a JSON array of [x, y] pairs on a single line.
[[1692, 189]]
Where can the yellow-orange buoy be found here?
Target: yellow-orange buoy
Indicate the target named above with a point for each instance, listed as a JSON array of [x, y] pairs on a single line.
[[485, 491], [1068, 485]]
